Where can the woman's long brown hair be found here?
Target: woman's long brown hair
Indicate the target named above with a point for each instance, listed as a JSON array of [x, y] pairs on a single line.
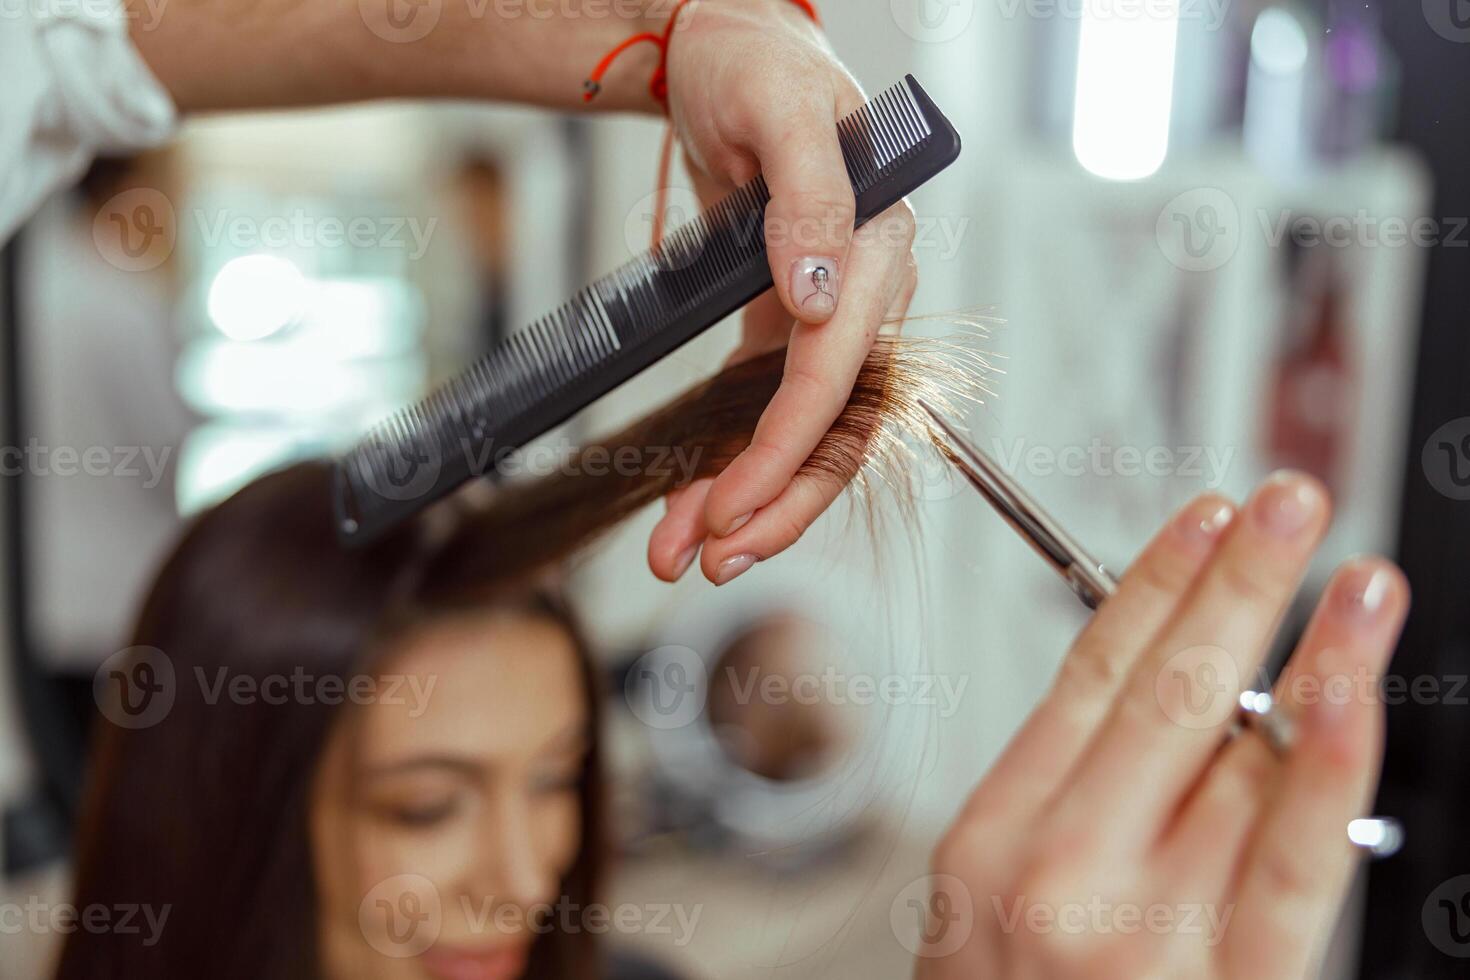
[[206, 812]]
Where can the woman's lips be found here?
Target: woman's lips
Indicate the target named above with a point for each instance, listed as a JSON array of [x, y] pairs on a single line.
[[505, 962]]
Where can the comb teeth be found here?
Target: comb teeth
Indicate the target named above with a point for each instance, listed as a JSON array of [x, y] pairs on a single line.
[[618, 325]]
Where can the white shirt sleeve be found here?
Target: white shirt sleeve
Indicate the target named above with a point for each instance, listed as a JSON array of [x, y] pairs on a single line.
[[71, 85]]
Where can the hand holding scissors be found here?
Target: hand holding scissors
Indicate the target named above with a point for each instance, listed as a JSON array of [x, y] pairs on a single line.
[[1117, 796]]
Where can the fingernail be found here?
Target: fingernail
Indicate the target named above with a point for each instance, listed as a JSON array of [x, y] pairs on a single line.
[[737, 524], [1200, 524], [814, 285], [681, 564], [1286, 504], [732, 568], [1363, 591]]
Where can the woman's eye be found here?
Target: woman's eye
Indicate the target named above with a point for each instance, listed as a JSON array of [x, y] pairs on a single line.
[[419, 815]]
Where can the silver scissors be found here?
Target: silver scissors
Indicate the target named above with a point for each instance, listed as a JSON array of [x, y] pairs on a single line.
[[1379, 837]]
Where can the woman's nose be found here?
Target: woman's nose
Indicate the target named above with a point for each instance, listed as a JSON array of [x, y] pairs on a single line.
[[510, 868]]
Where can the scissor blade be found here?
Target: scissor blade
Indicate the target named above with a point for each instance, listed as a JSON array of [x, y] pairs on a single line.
[[1025, 515], [1001, 492], [1009, 510]]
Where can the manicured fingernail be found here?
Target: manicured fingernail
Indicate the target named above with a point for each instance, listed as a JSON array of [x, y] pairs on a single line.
[[732, 568], [737, 524], [1363, 591], [1286, 504], [814, 285], [681, 564], [1200, 524]]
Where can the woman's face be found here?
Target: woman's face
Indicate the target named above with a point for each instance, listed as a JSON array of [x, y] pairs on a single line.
[[448, 809]]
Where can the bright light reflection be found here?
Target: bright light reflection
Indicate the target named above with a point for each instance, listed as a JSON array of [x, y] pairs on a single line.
[[289, 379], [360, 318], [1382, 836], [1257, 702], [1276, 91], [254, 296], [1125, 88], [218, 459], [1278, 43]]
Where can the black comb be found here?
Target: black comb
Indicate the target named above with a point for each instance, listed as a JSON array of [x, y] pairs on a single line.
[[617, 326]]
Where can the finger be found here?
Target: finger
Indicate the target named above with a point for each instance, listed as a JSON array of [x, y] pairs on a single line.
[[810, 215], [1204, 847], [708, 188], [1174, 711], [892, 324], [779, 524], [676, 538], [1055, 736], [773, 529], [1299, 863], [1210, 833], [821, 365]]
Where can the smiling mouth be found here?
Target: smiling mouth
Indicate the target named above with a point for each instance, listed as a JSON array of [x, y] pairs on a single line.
[[504, 962]]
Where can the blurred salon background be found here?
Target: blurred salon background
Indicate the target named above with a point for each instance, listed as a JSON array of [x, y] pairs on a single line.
[[1212, 238]]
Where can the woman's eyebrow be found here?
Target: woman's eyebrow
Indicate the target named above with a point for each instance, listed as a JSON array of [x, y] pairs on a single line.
[[452, 764], [573, 738]]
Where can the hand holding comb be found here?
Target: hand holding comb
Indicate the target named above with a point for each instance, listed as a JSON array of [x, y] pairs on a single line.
[[619, 325]]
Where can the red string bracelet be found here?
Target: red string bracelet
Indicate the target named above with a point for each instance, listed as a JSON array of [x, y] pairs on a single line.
[[658, 87]]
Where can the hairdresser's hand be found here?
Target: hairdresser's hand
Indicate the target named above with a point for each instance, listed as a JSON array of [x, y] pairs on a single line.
[[753, 88], [1122, 834]]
